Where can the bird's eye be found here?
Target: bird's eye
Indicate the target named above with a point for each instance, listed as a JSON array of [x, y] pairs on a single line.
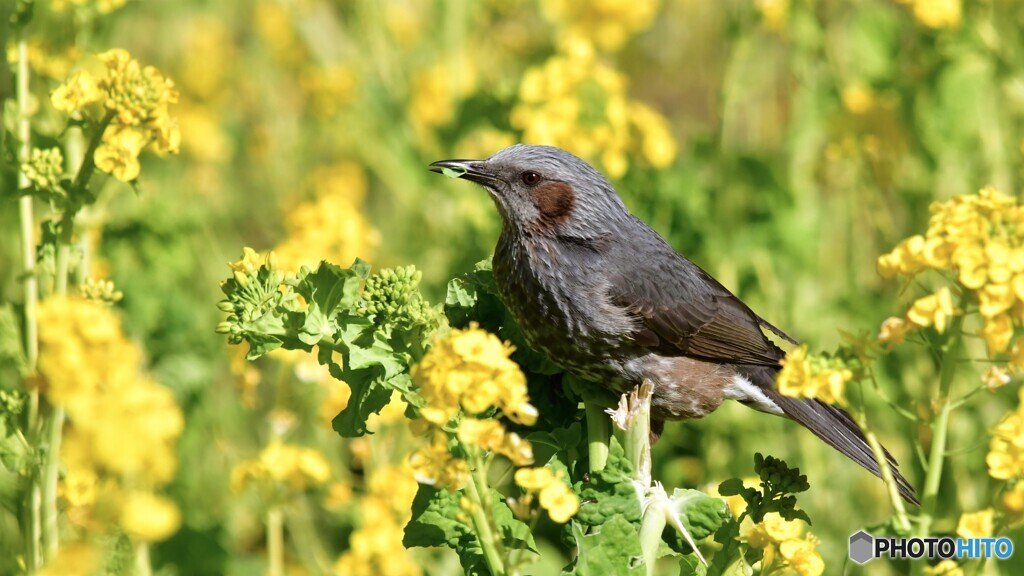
[[530, 178]]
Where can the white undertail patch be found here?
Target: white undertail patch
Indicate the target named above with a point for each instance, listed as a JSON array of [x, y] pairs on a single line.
[[743, 390]]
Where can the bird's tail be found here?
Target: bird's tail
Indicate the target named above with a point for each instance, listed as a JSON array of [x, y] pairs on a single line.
[[839, 431]]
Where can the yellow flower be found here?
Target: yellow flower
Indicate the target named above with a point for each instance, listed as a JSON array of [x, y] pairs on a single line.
[[118, 155], [773, 529], [805, 377], [471, 369], [802, 557], [1005, 457], [434, 464], [555, 496], [533, 479], [78, 487], [935, 309], [938, 13], [976, 524], [894, 330], [997, 332], [608, 24], [560, 501], [44, 168], [80, 90], [75, 559], [1012, 501], [148, 517], [858, 98]]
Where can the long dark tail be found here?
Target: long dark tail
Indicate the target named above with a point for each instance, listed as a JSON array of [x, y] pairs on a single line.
[[839, 431]]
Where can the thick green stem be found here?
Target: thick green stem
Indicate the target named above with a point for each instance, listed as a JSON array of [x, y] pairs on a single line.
[[940, 428], [51, 473], [599, 433], [34, 552], [650, 533], [143, 566], [637, 434], [275, 541], [493, 550]]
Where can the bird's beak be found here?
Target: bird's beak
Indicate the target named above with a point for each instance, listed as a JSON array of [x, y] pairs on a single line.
[[472, 170]]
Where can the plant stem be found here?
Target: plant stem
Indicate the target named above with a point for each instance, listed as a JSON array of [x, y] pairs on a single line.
[[275, 541], [599, 432], [940, 427], [34, 553], [51, 473], [143, 567], [637, 437], [900, 510], [650, 533], [493, 551]]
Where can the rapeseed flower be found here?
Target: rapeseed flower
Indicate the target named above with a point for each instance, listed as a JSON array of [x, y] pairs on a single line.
[[976, 524], [555, 495], [806, 376]]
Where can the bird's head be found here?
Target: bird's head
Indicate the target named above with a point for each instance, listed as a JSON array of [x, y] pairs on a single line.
[[543, 190]]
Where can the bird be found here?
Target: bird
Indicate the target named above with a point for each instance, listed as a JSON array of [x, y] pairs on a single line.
[[611, 302]]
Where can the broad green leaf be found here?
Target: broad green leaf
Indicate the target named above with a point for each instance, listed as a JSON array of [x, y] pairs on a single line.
[[613, 549], [701, 514], [610, 492], [369, 396]]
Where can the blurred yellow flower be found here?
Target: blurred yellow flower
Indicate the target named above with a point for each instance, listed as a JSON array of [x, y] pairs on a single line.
[[79, 486], [375, 547], [575, 101], [296, 467], [774, 13], [608, 23], [858, 98], [937, 13], [1005, 457], [330, 227], [805, 376], [933, 310], [1012, 502], [893, 330], [148, 517], [118, 155], [74, 559], [773, 529], [555, 495], [976, 524], [802, 556], [434, 464], [80, 90]]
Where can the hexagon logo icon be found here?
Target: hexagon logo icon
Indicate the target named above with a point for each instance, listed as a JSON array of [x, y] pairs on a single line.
[[861, 547]]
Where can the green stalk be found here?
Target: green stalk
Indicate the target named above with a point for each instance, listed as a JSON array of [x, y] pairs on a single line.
[[143, 566], [275, 541], [650, 533], [940, 428], [34, 553], [599, 433], [637, 437], [900, 510], [493, 550]]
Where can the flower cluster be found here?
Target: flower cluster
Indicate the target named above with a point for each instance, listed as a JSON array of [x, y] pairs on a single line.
[[392, 295], [555, 495], [470, 371], [807, 376], [607, 24], [44, 169], [576, 102], [130, 103], [89, 367], [1005, 457], [376, 545], [294, 467], [330, 226], [979, 240], [785, 545]]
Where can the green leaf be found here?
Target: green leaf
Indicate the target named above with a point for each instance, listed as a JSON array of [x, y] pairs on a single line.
[[332, 287], [613, 549], [702, 515], [453, 172], [731, 487], [610, 492], [368, 397]]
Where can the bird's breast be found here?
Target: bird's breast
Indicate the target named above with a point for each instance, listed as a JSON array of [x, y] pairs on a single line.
[[563, 310]]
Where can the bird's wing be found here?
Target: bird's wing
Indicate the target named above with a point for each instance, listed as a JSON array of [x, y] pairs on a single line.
[[682, 310]]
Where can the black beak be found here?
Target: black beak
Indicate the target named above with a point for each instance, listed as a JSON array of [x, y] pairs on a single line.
[[471, 170]]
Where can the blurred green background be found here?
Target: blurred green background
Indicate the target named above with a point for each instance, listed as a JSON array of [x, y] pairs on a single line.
[[782, 145]]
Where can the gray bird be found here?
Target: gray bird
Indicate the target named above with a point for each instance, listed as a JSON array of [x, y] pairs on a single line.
[[611, 302]]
